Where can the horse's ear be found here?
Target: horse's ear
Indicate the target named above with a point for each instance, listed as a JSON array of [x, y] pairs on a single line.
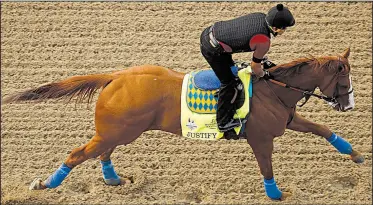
[[346, 53]]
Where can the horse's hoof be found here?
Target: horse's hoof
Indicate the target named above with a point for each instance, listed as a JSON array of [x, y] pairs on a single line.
[[357, 157], [36, 184], [285, 195], [112, 182], [126, 181]]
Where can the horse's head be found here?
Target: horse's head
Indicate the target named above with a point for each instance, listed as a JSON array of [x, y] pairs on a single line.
[[336, 82]]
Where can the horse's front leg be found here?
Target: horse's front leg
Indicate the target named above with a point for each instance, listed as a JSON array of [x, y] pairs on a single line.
[[301, 124], [263, 153]]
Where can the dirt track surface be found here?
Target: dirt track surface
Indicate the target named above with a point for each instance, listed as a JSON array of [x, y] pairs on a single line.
[[45, 42]]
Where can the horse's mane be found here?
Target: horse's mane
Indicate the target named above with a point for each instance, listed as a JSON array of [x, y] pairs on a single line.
[[318, 64]]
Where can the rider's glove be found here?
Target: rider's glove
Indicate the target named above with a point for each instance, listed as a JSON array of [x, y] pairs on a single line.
[[267, 64], [267, 75]]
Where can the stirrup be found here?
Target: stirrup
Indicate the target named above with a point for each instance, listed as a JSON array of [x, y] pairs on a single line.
[[233, 123]]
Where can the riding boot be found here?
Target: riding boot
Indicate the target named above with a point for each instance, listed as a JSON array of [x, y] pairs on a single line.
[[228, 95]]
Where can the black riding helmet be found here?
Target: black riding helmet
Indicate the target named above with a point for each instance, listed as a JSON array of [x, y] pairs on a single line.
[[280, 17]]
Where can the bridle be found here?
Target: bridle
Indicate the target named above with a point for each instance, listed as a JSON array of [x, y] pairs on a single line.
[[307, 94]]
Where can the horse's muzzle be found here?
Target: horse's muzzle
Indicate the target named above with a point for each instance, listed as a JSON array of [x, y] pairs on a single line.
[[339, 108]]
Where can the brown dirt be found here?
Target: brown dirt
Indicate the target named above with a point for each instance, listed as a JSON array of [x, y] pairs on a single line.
[[45, 42]]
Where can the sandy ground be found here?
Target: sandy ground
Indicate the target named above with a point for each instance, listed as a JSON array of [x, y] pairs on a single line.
[[45, 42]]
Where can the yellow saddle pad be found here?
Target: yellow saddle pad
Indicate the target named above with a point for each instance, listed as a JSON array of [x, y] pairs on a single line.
[[200, 100], [198, 108]]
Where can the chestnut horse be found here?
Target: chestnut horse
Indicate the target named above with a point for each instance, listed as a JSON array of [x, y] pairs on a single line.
[[148, 98]]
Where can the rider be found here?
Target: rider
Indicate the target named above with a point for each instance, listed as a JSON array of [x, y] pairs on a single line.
[[249, 33]]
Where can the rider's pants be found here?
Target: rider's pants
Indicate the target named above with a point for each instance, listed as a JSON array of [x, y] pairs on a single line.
[[221, 63]]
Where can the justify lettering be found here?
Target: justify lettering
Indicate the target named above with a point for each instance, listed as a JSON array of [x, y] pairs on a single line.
[[201, 135]]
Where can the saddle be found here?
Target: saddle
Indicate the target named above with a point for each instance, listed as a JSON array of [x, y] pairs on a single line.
[[199, 103], [203, 89]]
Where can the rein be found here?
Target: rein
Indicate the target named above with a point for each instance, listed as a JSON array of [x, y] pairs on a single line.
[[307, 94]]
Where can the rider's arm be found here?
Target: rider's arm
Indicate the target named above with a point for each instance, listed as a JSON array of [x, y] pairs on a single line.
[[260, 44]]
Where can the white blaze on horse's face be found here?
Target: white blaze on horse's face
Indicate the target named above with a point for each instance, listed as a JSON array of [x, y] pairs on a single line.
[[351, 100]]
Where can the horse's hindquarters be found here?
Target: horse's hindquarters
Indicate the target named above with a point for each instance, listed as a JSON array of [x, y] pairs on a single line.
[[140, 101]]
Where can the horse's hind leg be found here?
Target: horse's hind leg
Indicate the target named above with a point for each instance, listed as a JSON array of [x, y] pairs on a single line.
[[107, 168], [301, 124], [95, 147]]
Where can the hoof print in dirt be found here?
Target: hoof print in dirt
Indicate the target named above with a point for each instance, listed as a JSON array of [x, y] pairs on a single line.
[[79, 187], [345, 182]]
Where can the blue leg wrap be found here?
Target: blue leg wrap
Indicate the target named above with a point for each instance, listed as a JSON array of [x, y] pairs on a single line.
[[57, 177], [340, 144], [108, 170], [271, 189]]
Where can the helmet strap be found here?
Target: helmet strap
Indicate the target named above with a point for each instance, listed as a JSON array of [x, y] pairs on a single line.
[[271, 29]]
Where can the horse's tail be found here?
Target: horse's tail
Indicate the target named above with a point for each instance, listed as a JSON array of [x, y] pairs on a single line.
[[81, 86]]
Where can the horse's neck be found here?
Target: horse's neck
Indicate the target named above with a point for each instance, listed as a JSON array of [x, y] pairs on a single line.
[[306, 80]]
